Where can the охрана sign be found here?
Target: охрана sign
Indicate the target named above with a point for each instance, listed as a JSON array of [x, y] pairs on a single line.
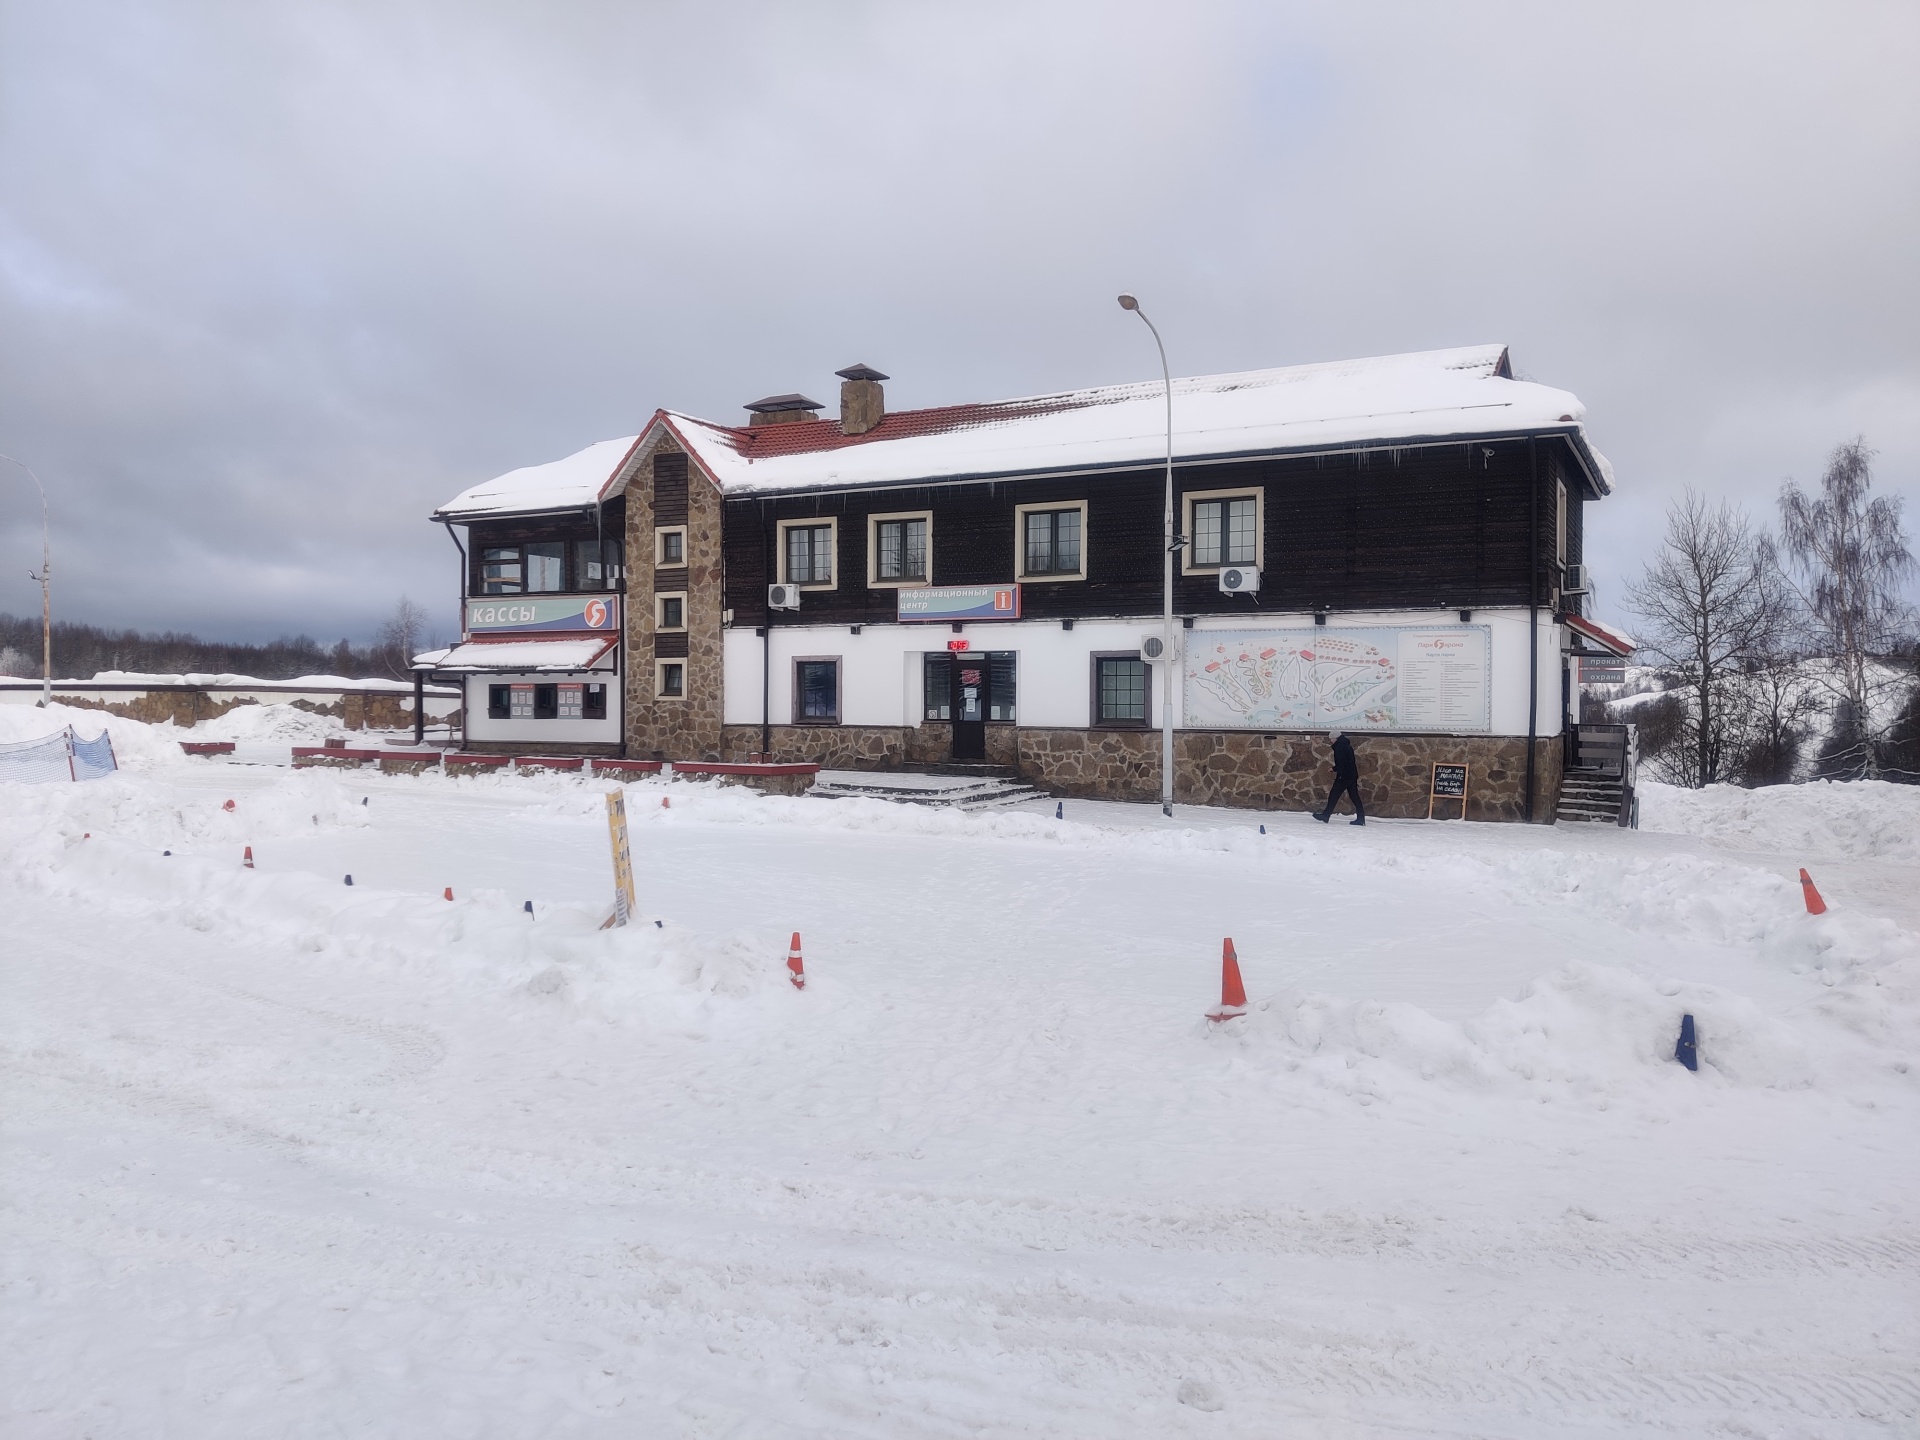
[[497, 614], [959, 602]]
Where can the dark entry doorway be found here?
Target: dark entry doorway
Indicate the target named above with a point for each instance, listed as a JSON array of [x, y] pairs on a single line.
[[971, 681]]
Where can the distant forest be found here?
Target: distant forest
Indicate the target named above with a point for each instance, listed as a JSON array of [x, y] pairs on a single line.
[[82, 651]]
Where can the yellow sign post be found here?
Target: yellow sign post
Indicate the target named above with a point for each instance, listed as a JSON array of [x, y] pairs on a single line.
[[624, 903]]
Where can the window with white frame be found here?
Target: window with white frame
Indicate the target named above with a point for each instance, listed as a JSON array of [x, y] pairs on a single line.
[[1051, 541], [669, 547], [899, 549], [806, 554], [1223, 528], [670, 611], [670, 679]]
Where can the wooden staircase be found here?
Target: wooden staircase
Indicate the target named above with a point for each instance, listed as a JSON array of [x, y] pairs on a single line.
[[1597, 785]]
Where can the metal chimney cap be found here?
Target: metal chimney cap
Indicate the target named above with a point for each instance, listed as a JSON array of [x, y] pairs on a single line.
[[861, 372], [773, 403]]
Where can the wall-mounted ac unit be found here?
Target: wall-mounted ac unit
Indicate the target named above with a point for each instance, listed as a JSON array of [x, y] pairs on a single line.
[[1576, 581], [783, 597], [1153, 648], [1239, 580]]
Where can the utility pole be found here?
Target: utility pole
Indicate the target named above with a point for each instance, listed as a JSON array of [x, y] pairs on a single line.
[[1173, 542]]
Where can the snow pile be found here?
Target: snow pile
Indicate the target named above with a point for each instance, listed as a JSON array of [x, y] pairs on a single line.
[[135, 745], [1858, 819], [267, 724]]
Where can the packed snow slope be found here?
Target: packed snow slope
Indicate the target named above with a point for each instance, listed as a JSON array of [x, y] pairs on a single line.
[[288, 1157]]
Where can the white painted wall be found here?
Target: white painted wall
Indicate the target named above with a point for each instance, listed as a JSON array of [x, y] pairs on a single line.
[[548, 732], [880, 667]]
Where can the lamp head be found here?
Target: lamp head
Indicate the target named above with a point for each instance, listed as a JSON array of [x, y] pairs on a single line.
[[1127, 302]]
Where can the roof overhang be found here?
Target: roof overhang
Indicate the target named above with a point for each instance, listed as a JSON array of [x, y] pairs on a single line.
[[526, 655], [1614, 642]]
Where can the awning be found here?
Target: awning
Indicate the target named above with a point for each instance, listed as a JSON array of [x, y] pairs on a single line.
[[523, 656], [1614, 642]]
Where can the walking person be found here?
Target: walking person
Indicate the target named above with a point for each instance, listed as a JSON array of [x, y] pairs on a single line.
[[1346, 776]]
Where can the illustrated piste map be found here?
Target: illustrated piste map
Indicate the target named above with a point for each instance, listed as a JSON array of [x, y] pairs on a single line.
[[1372, 679]]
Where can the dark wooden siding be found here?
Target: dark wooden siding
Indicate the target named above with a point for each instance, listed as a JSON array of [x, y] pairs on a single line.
[[670, 489], [1423, 528]]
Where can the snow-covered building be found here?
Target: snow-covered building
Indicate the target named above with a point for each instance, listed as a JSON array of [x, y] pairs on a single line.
[[1388, 546]]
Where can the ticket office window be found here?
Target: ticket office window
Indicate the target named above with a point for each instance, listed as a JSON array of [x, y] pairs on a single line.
[[547, 702], [597, 564]]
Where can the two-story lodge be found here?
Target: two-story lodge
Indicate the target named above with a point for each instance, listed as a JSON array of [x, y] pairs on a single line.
[[1391, 547]]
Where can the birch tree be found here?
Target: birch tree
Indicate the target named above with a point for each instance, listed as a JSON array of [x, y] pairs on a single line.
[[1849, 558]]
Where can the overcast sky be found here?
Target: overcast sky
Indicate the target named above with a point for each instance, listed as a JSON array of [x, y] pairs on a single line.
[[275, 280]]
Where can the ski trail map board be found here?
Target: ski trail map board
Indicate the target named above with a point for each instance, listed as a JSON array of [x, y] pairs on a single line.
[[1377, 678]]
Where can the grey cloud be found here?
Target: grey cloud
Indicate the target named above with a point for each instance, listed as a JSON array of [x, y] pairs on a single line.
[[276, 280]]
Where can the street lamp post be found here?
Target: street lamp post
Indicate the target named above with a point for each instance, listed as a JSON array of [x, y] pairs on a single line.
[[45, 577], [1173, 543]]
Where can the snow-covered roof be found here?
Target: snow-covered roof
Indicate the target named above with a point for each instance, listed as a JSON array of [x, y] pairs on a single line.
[[1608, 637], [584, 478], [1435, 394], [1386, 400], [526, 655]]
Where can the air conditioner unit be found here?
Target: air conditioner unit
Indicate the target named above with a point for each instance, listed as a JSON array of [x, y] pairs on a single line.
[[1576, 583], [783, 597], [1234, 580], [1153, 647]]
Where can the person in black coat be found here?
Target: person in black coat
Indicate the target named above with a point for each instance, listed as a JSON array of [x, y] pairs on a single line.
[[1346, 776]]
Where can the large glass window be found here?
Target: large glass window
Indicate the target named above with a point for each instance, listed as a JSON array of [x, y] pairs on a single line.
[[1003, 673], [816, 692], [1053, 542], [1119, 690], [499, 702], [500, 570], [810, 555], [900, 549], [596, 563], [593, 702], [1226, 531], [546, 702], [546, 566]]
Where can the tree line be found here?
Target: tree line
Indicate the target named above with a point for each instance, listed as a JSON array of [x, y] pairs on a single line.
[[83, 651], [1787, 653]]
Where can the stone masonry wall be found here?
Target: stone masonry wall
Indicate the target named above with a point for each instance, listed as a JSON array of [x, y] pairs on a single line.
[[688, 728], [1232, 768]]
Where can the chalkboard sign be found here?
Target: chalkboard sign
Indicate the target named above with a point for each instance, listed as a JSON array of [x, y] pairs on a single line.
[[1449, 783]]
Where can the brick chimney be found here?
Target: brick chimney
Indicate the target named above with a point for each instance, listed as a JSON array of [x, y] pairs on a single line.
[[782, 410], [863, 404]]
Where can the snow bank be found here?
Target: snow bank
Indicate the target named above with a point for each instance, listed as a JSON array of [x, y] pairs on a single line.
[[135, 745], [1858, 819], [267, 724]]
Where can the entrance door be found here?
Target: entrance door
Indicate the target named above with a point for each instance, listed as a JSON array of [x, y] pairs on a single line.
[[969, 706]]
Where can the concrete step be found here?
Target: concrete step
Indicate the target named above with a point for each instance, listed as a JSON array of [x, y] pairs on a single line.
[[966, 791]]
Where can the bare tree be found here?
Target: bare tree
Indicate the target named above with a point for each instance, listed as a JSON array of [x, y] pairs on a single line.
[[1715, 608], [399, 638], [1849, 557]]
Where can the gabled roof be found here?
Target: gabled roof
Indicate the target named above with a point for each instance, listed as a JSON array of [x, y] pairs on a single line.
[[1434, 395]]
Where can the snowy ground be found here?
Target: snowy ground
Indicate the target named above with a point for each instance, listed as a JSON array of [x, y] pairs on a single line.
[[284, 1157]]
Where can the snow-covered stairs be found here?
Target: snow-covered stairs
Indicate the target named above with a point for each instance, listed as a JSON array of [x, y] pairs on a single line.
[[983, 789], [1592, 795]]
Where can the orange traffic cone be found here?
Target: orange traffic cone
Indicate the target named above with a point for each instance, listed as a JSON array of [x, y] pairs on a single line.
[[246, 860], [796, 967], [227, 806], [1233, 994], [1815, 905], [447, 894]]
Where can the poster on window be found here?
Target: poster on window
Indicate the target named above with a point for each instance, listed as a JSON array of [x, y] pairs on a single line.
[[1378, 678]]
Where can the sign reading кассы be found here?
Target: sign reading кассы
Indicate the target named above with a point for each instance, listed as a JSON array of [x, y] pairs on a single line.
[[496, 614]]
